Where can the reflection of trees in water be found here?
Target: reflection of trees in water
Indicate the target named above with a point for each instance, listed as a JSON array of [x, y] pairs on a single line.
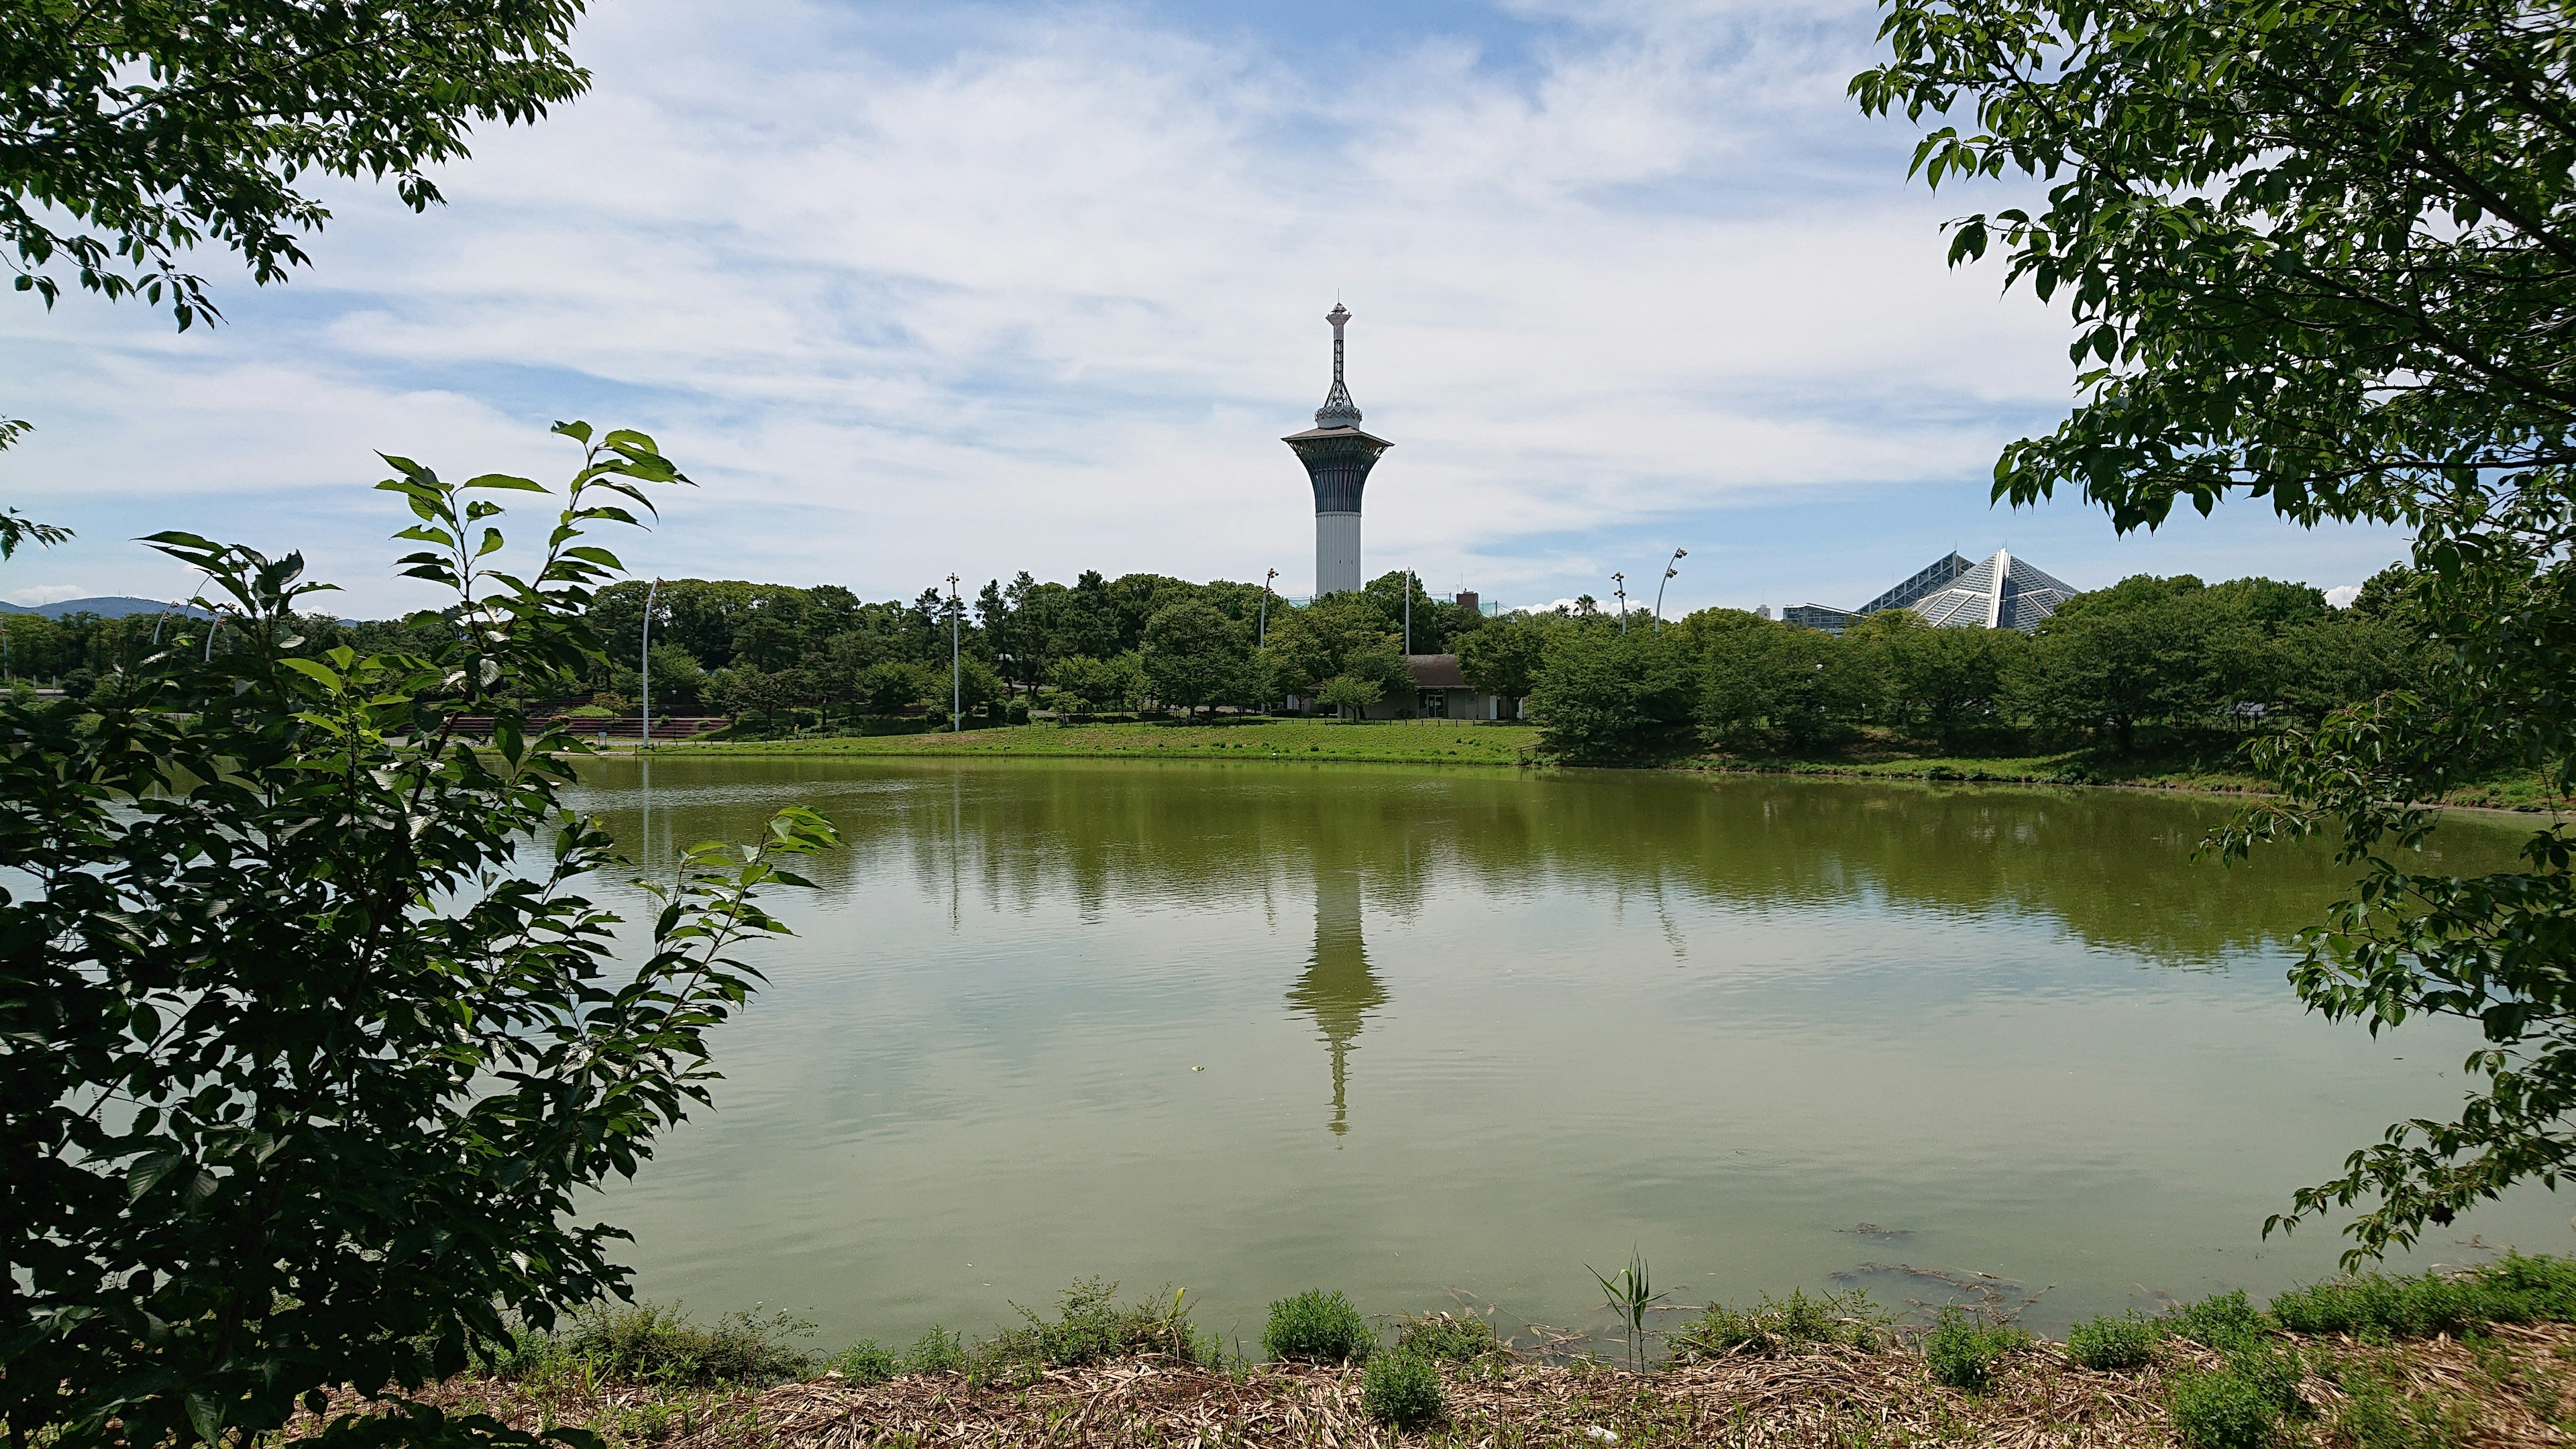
[[2113, 867], [1338, 989]]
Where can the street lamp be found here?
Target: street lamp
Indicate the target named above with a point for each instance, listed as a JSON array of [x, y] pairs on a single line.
[[644, 665], [1408, 611], [1670, 573], [1621, 589], [956, 676]]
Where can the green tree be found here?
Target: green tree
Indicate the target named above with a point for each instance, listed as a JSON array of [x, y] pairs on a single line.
[[367, 1053], [135, 130], [894, 686], [1195, 656], [2320, 252], [1338, 634], [2116, 658], [1604, 695], [678, 683], [1099, 684], [1349, 696], [1802, 682], [1942, 682], [1503, 656]]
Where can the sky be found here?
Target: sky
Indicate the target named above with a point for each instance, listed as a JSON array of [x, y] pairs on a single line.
[[911, 290]]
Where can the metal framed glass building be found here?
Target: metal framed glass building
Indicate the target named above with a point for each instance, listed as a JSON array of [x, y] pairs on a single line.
[[1997, 592]]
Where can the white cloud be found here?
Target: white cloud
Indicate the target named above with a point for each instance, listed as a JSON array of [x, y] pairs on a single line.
[[30, 595], [1049, 300], [2342, 595]]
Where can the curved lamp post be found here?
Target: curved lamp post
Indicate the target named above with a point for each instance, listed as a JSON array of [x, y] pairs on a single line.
[[1670, 573], [644, 666]]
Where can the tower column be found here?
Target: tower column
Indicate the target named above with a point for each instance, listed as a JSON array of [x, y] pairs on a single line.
[[1338, 457]]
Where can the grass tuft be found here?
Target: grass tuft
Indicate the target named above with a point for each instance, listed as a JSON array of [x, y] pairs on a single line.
[[1965, 1354], [1450, 1337], [2514, 1289], [1782, 1325], [661, 1346], [1403, 1390], [1317, 1327], [2114, 1345], [1090, 1327]]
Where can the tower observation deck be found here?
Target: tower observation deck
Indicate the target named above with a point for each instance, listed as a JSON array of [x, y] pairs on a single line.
[[1338, 457]]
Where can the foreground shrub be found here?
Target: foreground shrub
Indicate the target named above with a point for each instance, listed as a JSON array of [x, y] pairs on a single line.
[[370, 1042], [1317, 1327], [937, 1351], [1090, 1328], [661, 1346], [1965, 1354], [2225, 1321], [1446, 1336], [2114, 1345], [2241, 1403], [865, 1361], [2377, 1413], [1777, 1325], [1402, 1389], [2219, 1410], [2516, 1289]]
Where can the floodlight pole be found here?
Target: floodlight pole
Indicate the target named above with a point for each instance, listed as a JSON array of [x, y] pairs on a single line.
[[956, 671], [1408, 611], [1670, 573], [1261, 629], [1621, 582], [644, 666]]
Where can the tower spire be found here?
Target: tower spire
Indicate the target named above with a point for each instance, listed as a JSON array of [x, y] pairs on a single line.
[[1338, 410], [1338, 457]]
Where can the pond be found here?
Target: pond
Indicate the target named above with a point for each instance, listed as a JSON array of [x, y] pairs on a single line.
[[1443, 1037]]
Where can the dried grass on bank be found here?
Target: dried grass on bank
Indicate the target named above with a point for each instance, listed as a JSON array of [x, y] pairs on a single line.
[[2503, 1388]]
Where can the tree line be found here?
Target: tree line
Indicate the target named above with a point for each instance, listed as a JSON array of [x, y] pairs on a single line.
[[2162, 654]]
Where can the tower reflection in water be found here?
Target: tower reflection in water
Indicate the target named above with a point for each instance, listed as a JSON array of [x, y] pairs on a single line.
[[1338, 989]]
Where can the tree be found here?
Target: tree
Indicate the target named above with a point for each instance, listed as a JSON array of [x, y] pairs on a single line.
[[894, 686], [2320, 252], [1338, 634], [135, 130], [1349, 696], [1604, 695], [1195, 656], [2116, 658], [1503, 657], [1802, 682], [366, 1053], [1944, 682], [1099, 684]]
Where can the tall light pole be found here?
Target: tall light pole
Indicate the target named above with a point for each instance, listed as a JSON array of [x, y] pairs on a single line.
[[1621, 589], [956, 674], [1670, 573], [1408, 611], [1261, 629], [644, 665]]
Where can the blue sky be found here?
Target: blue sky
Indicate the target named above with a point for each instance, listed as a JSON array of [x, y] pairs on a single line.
[[977, 288]]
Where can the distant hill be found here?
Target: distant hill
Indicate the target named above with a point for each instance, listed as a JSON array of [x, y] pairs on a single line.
[[111, 606]]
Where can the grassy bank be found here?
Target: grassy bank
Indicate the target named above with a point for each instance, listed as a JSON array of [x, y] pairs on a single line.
[[2484, 1357], [1401, 742], [1868, 754]]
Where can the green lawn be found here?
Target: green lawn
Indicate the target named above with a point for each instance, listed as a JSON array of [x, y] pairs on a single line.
[[1456, 742], [1418, 741]]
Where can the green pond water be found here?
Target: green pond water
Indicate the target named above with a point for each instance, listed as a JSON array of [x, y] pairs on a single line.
[[1448, 1036]]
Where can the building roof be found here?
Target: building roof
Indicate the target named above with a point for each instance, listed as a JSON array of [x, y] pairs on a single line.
[[1319, 434], [1436, 671], [1997, 592]]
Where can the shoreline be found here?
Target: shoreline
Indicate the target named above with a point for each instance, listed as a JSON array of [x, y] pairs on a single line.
[[2479, 1356], [1515, 746]]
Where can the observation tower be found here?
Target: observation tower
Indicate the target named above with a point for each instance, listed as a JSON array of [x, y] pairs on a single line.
[[1338, 457]]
